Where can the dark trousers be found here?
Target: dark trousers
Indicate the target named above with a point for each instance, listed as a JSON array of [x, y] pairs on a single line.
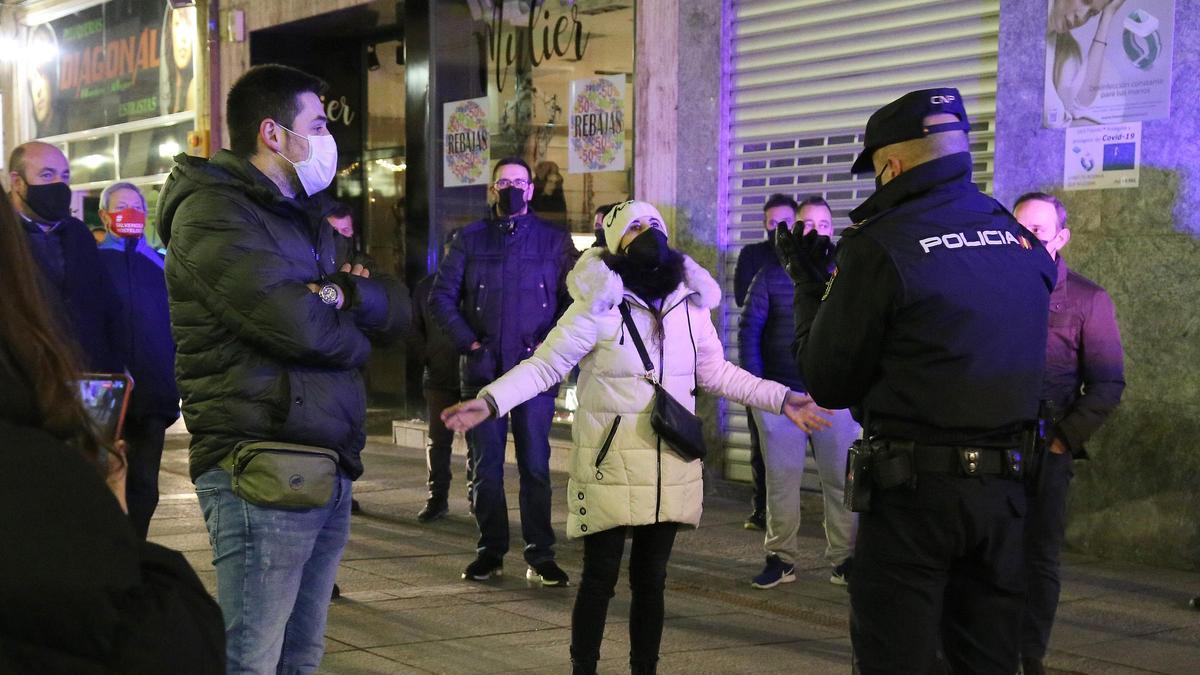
[[758, 470], [531, 434], [940, 564], [144, 446], [437, 450], [602, 552], [1045, 528]]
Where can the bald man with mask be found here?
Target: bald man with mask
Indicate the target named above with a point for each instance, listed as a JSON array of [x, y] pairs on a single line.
[[77, 287], [931, 329]]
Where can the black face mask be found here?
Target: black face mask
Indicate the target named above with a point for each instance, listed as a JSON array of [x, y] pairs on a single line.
[[50, 202], [649, 249], [512, 201], [879, 178]]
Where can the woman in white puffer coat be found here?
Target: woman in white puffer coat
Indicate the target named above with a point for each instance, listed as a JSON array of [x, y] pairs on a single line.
[[623, 479]]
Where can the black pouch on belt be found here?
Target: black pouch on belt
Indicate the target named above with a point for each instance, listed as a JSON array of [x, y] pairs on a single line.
[[857, 495], [893, 464]]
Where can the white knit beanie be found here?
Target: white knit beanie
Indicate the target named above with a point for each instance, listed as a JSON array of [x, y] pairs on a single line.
[[618, 220]]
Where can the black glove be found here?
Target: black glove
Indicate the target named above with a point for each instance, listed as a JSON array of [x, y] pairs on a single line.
[[806, 258]]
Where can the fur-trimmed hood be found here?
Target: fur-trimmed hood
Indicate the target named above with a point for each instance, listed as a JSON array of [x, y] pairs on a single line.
[[593, 282]]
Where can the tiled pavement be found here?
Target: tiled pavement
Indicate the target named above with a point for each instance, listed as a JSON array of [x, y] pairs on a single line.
[[405, 610]]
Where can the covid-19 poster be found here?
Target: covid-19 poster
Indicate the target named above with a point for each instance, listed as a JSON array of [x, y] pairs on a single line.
[[1102, 157], [1108, 61]]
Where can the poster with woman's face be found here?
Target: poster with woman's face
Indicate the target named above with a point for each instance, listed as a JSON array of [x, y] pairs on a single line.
[[116, 62], [41, 76], [177, 90], [1108, 61]]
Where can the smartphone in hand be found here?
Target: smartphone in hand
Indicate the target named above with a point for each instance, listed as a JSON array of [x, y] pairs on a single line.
[[105, 397]]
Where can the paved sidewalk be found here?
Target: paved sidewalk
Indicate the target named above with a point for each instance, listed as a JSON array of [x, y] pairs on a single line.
[[405, 610]]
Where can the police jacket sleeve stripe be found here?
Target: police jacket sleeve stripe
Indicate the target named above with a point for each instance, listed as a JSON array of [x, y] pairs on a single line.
[[839, 342]]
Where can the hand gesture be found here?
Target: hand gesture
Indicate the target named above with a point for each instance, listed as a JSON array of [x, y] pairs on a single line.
[[466, 415], [805, 413], [806, 258]]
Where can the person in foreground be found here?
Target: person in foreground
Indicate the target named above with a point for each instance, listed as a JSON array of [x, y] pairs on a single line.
[[625, 481], [80, 592]]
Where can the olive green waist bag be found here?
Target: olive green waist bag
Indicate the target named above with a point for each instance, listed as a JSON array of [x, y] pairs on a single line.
[[282, 475]]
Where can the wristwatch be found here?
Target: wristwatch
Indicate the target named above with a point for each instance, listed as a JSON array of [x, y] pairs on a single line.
[[330, 294]]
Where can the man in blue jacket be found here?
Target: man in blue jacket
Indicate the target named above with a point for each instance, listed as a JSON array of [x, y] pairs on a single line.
[[765, 334], [137, 272], [79, 290], [497, 294], [1085, 376], [779, 209]]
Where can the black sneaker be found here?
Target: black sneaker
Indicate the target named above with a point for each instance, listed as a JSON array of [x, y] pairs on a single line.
[[774, 573], [483, 568], [549, 573], [756, 521], [434, 509], [841, 573]]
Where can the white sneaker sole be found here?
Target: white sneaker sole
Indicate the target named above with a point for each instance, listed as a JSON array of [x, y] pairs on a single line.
[[838, 580], [498, 572], [785, 579], [532, 575]]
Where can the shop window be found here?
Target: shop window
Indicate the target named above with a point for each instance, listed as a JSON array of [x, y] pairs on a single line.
[[93, 159], [151, 151]]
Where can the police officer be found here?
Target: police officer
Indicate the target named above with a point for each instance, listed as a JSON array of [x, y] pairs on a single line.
[[932, 328]]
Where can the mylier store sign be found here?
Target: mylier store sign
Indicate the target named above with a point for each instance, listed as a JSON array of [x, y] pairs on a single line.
[[121, 61]]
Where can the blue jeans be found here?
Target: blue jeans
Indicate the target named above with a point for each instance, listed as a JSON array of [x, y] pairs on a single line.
[[275, 574], [531, 434]]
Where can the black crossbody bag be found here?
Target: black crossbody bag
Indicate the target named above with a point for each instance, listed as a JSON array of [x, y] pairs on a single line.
[[673, 422]]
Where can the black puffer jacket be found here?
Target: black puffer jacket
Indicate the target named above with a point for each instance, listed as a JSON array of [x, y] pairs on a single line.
[[259, 356], [768, 326]]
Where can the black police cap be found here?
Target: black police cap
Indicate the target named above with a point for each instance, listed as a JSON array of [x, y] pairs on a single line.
[[903, 120]]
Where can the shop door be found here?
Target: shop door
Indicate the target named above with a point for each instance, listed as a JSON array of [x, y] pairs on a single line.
[[804, 76]]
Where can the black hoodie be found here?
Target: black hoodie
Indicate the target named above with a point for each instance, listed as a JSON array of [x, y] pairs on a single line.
[[259, 356]]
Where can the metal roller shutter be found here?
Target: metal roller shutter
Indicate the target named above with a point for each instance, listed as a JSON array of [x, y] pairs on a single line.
[[804, 76]]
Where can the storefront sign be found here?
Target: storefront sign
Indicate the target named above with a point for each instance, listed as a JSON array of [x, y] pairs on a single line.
[[1103, 157], [467, 150], [1110, 64], [544, 36], [117, 62], [596, 125]]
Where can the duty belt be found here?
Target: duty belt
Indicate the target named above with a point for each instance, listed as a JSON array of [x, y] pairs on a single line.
[[967, 460]]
